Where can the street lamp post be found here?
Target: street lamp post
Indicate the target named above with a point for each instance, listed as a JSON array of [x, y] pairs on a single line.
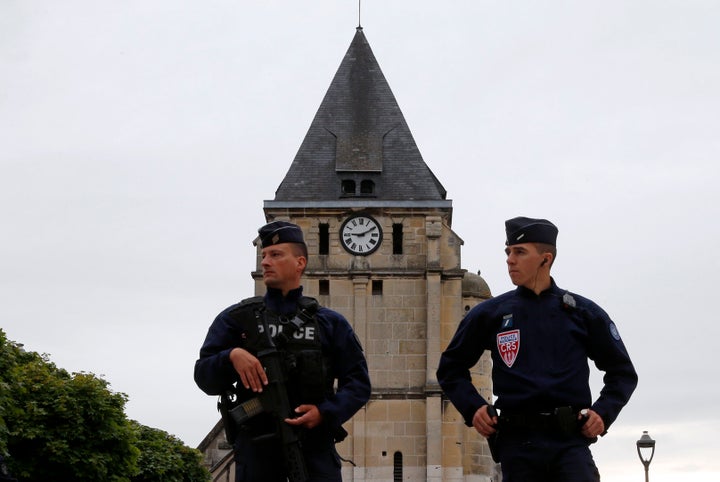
[[646, 450]]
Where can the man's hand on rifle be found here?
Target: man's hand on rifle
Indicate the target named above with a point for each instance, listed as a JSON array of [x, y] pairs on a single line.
[[252, 374], [310, 418], [483, 422]]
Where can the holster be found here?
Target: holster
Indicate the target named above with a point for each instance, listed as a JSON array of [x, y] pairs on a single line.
[[492, 439], [566, 419]]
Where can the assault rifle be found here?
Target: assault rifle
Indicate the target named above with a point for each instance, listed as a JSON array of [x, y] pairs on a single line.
[[273, 400]]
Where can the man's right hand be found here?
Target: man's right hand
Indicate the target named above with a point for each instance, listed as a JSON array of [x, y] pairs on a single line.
[[252, 374], [483, 422]]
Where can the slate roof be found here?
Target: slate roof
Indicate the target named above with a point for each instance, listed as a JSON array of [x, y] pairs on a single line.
[[358, 134]]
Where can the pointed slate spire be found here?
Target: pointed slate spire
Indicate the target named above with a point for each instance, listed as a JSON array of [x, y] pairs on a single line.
[[359, 146]]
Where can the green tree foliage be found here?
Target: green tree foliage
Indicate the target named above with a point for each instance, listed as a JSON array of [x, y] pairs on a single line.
[[62, 426], [71, 427], [164, 458], [6, 361]]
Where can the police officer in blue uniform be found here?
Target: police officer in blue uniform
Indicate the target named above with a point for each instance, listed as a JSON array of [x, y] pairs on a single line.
[[330, 381], [540, 338]]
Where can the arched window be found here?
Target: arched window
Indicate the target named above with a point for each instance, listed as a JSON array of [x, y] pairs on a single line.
[[367, 187], [397, 467], [348, 187]]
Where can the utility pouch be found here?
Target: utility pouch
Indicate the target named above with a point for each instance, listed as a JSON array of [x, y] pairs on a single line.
[[226, 402], [566, 419], [312, 386]]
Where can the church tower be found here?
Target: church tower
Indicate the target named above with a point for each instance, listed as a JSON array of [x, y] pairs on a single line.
[[377, 223]]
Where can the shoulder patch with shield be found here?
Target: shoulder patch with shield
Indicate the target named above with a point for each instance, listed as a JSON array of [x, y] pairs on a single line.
[[508, 343]]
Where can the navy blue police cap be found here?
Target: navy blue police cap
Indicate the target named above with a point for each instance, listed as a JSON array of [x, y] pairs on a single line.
[[279, 232], [528, 230]]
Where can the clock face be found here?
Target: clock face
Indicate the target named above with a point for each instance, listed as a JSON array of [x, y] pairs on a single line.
[[360, 235]]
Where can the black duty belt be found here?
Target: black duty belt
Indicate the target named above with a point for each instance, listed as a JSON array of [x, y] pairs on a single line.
[[561, 419]]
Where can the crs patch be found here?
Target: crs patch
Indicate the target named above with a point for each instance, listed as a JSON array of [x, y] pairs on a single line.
[[508, 343]]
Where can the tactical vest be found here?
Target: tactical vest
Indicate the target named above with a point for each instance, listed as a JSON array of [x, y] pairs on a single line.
[[298, 339]]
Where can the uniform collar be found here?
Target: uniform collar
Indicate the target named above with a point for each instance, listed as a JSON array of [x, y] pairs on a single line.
[[527, 292], [282, 305]]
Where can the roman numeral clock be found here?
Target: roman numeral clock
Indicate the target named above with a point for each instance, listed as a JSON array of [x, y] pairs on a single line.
[[360, 234]]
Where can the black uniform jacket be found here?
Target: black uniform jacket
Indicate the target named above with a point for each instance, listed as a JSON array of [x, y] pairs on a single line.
[[214, 371], [540, 347]]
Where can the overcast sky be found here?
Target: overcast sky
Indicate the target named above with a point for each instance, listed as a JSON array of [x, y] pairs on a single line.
[[138, 141]]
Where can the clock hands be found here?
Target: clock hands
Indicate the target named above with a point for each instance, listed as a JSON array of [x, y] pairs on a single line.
[[365, 232]]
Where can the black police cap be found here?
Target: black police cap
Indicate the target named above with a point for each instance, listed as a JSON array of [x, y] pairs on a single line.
[[279, 232], [528, 230]]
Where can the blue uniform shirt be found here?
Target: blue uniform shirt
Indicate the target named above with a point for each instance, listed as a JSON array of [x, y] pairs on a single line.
[[214, 371], [540, 346]]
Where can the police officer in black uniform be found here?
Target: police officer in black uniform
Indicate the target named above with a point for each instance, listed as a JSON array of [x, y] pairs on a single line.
[[540, 337], [324, 351]]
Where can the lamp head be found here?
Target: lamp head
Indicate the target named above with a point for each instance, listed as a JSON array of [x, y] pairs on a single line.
[[645, 441], [643, 445]]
